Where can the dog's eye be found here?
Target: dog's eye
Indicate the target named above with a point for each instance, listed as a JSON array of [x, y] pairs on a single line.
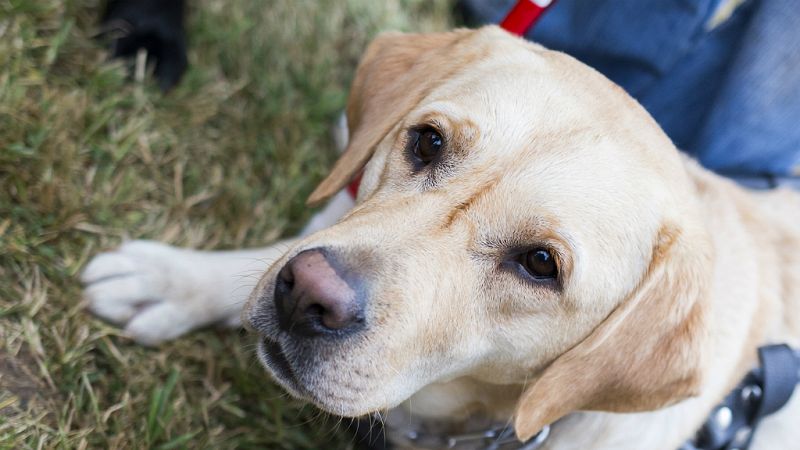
[[540, 263], [427, 143]]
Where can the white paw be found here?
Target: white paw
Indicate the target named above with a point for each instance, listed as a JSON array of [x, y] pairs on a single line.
[[157, 292]]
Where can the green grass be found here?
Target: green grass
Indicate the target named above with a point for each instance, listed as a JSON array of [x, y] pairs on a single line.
[[226, 160]]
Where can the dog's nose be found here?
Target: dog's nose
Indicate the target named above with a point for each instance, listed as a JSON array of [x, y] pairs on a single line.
[[314, 296]]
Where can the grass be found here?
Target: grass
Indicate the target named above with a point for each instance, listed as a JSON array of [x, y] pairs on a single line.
[[88, 158]]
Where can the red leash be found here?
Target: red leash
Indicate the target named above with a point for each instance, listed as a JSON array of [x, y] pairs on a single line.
[[518, 21], [523, 15]]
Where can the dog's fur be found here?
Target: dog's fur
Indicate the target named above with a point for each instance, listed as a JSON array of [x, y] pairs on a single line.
[[670, 277]]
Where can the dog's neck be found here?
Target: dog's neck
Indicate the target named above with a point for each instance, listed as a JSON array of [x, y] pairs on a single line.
[[465, 405], [759, 315], [461, 406]]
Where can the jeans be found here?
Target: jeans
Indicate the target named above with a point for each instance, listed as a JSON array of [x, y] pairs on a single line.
[[725, 91]]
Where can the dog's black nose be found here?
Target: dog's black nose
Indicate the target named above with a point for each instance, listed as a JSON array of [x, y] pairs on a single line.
[[314, 296]]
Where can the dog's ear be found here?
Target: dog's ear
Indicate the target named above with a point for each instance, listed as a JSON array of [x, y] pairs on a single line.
[[395, 74], [645, 355]]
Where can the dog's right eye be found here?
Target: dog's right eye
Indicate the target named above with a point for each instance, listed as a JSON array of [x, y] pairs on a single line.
[[426, 145]]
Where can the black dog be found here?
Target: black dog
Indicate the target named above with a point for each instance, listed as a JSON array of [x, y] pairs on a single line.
[[154, 25]]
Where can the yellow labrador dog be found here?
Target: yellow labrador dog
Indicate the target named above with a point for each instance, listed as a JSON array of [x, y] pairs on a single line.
[[527, 247]]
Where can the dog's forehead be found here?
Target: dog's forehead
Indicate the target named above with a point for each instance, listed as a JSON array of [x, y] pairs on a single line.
[[530, 120], [520, 93]]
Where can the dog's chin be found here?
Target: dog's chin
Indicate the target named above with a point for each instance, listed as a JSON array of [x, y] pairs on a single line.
[[277, 364], [273, 358]]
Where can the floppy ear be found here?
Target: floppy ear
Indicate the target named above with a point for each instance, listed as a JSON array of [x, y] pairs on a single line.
[[645, 355], [396, 72]]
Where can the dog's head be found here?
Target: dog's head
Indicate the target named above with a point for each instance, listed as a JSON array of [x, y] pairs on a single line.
[[521, 220]]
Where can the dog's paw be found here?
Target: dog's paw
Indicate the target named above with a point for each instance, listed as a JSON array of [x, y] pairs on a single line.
[[157, 292]]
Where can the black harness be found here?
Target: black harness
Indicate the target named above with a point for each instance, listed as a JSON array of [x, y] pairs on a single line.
[[764, 390], [730, 426]]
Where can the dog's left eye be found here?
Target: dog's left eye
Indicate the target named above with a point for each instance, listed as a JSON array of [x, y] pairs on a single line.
[[426, 143], [539, 263]]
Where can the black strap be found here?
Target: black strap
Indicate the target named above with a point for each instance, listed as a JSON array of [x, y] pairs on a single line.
[[764, 390], [780, 376]]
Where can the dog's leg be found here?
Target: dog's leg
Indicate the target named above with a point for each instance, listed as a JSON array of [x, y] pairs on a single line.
[[159, 292]]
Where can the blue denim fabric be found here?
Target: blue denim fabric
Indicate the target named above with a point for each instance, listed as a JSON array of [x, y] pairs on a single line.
[[728, 95]]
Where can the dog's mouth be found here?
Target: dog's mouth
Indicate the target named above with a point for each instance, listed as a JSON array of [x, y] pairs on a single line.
[[273, 357]]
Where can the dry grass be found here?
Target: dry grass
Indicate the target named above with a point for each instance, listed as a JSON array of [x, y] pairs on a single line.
[[226, 160]]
